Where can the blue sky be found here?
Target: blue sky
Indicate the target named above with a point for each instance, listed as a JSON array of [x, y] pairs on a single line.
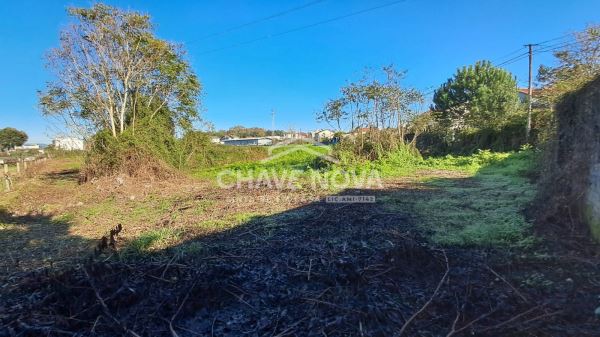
[[293, 73]]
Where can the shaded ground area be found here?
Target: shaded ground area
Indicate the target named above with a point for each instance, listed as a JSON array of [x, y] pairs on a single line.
[[311, 269], [31, 241]]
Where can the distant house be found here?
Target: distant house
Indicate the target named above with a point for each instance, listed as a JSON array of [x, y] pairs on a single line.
[[258, 141], [361, 131], [28, 147], [322, 135], [296, 135], [535, 101], [68, 143], [524, 94]]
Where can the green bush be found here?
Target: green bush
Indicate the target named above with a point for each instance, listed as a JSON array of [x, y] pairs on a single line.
[[509, 136], [372, 146], [211, 155], [151, 150]]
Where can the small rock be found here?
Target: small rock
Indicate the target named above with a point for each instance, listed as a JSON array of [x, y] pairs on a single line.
[[597, 311], [570, 280], [132, 197], [120, 180], [80, 203]]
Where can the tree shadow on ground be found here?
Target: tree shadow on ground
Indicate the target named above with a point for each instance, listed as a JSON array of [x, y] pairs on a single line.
[[32, 241], [66, 175], [318, 269]]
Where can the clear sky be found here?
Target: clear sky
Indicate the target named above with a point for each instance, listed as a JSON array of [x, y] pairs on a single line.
[[293, 73]]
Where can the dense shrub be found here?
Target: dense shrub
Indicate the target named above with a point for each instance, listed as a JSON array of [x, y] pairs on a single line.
[[150, 150], [510, 136], [209, 155], [127, 155], [372, 145]]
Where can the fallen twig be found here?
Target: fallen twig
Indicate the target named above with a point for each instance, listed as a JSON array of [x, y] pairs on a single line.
[[514, 318], [105, 308], [508, 283], [436, 291]]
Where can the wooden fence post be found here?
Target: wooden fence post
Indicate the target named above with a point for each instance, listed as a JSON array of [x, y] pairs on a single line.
[[6, 183], [5, 168]]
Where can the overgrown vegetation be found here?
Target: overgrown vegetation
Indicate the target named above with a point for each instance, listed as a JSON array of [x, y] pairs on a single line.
[[127, 89], [485, 210]]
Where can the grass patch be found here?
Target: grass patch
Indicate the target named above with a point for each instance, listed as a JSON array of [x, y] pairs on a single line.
[[153, 240], [231, 221], [284, 158], [149, 210], [483, 209]]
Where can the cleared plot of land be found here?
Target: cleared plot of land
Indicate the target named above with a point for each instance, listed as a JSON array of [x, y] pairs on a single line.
[[199, 260]]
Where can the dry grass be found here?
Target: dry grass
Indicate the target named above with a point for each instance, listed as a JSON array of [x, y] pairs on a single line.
[[51, 217]]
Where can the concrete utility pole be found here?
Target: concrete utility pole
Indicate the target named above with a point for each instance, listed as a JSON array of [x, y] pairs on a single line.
[[529, 91], [272, 122]]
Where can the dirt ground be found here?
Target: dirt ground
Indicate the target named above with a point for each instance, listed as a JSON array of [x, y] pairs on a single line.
[[255, 262]]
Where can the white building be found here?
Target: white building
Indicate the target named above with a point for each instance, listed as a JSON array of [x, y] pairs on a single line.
[[322, 135], [28, 147], [296, 135], [68, 143], [257, 141]]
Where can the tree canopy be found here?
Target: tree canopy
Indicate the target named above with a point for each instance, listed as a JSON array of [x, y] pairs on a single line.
[[11, 137], [111, 71], [478, 96], [578, 63]]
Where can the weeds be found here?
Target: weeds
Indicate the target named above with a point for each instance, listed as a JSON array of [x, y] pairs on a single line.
[[485, 208], [153, 240]]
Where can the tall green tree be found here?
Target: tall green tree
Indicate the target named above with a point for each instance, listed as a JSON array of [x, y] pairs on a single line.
[[111, 71], [11, 137], [477, 96]]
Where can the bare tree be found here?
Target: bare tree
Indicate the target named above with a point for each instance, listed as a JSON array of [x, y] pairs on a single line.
[[376, 104], [111, 71]]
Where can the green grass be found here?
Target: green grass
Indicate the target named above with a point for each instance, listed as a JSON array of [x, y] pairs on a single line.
[[487, 213], [153, 240], [295, 159], [136, 211], [483, 209], [222, 155]]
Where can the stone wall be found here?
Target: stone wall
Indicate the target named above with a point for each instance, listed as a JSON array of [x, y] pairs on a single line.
[[571, 186]]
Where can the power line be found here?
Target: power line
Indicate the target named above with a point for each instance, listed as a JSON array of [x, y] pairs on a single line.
[[555, 39], [545, 48], [513, 60], [254, 22], [509, 54], [541, 43], [293, 30]]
